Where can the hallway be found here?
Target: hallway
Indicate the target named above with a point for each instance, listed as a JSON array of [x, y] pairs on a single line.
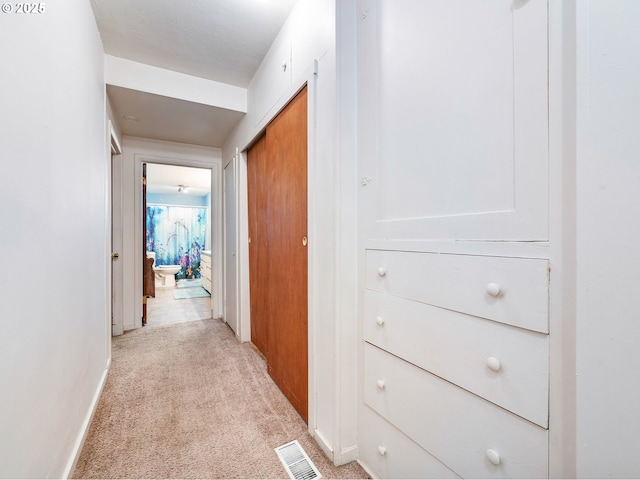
[[187, 401]]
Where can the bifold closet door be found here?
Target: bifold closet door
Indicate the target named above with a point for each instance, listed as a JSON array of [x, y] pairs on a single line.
[[278, 249]]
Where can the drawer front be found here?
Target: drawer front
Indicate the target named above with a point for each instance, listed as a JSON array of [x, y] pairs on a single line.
[[514, 291], [506, 365], [388, 453], [459, 428]]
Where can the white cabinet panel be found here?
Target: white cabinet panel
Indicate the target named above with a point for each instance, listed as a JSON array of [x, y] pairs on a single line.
[[471, 436], [453, 139], [205, 271], [389, 453], [467, 283], [272, 80], [506, 365]]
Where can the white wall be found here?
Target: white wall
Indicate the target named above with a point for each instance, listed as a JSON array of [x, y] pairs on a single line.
[[307, 39], [136, 151], [608, 249], [54, 347]]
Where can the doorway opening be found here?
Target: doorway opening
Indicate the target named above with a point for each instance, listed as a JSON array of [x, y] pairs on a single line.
[[178, 239]]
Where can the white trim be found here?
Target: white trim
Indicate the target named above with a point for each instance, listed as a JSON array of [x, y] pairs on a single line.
[[244, 312], [312, 255], [347, 455], [347, 326], [125, 73], [323, 444], [114, 282], [79, 443], [139, 148], [562, 236], [367, 470], [244, 295], [112, 148], [233, 165], [116, 147], [215, 220]]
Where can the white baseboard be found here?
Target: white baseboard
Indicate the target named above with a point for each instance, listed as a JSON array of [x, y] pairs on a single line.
[[77, 449], [342, 457], [347, 455], [367, 470], [324, 445]]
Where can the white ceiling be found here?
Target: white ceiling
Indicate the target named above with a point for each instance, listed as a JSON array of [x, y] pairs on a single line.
[[165, 179], [164, 118], [219, 40]]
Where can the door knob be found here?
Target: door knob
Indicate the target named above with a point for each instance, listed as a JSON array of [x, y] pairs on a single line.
[[114, 256], [304, 241]]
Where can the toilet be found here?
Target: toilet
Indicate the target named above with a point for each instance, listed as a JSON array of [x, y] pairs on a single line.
[[165, 275]]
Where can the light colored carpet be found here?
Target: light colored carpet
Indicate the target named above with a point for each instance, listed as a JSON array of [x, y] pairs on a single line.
[[188, 401]]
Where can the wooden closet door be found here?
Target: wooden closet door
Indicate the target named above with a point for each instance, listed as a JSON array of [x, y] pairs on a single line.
[[258, 271], [277, 184], [287, 257]]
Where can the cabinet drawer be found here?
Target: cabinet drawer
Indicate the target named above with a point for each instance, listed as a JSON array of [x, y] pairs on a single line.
[[457, 427], [508, 290], [463, 350], [388, 453]]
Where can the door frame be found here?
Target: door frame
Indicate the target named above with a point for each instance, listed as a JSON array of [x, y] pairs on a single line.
[[114, 204], [332, 268], [140, 235], [215, 219], [235, 288], [321, 273]]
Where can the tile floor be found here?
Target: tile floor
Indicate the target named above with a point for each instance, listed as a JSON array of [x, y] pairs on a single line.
[[164, 309]]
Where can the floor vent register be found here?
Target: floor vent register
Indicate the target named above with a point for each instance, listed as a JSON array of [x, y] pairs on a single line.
[[296, 461]]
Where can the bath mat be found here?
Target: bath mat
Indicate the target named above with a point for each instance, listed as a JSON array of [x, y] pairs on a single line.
[[190, 292], [188, 283]]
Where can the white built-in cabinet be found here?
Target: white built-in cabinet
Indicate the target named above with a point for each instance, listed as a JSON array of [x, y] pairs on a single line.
[[453, 170], [453, 125], [205, 271]]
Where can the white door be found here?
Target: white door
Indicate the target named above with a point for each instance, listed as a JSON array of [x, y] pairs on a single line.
[[453, 119], [231, 247], [117, 322]]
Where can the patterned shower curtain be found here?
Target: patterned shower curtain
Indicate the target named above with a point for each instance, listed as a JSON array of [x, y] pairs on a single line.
[[177, 235]]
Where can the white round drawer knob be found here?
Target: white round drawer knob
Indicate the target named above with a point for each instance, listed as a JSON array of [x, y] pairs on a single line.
[[494, 364], [380, 321], [493, 289], [381, 450], [382, 271], [493, 456], [380, 384]]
